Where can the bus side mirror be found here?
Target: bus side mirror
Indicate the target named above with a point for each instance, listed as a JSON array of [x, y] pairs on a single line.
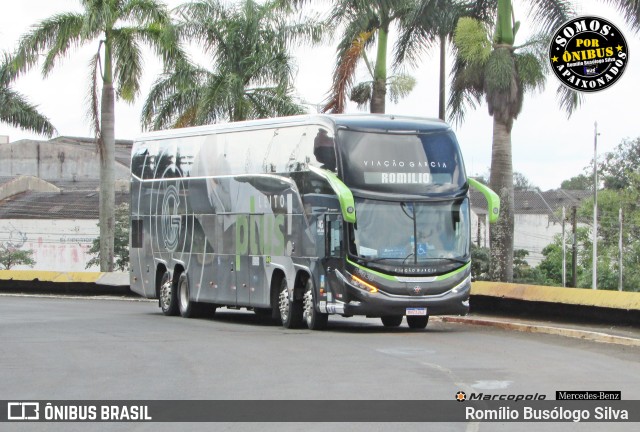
[[493, 200]]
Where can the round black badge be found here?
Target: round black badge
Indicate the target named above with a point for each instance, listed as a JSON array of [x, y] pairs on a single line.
[[588, 54]]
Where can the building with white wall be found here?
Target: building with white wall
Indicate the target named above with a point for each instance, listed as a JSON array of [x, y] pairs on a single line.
[[537, 219], [49, 198]]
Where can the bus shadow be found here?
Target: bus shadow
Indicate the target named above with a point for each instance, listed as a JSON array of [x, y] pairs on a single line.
[[335, 325]]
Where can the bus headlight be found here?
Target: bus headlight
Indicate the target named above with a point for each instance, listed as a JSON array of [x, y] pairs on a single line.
[[366, 286], [462, 285]]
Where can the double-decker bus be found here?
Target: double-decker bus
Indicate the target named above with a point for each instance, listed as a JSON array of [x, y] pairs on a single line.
[[304, 217]]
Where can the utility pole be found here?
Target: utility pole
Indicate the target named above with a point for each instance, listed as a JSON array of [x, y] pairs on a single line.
[[574, 252], [564, 249], [595, 206], [620, 250]]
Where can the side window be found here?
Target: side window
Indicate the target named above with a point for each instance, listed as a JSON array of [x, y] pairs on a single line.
[[136, 233], [324, 151]]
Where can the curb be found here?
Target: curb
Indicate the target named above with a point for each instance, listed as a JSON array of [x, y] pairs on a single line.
[[98, 278], [544, 329]]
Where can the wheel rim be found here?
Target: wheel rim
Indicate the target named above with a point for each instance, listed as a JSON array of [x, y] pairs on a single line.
[[165, 294], [308, 306], [284, 303]]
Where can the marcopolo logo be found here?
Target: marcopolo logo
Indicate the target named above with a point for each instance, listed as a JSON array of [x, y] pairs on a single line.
[[588, 54], [462, 396]]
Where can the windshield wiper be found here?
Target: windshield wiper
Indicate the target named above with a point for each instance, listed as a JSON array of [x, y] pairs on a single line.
[[370, 260]]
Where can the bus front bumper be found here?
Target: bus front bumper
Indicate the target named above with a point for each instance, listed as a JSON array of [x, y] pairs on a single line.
[[378, 304]]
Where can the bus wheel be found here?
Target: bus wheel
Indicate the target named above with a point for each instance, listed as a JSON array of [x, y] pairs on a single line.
[[168, 295], [315, 320], [290, 309], [418, 322], [392, 321], [188, 308]]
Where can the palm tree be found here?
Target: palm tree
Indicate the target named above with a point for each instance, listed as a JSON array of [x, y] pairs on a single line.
[[253, 70], [16, 110], [433, 22], [116, 27], [366, 22], [502, 73]]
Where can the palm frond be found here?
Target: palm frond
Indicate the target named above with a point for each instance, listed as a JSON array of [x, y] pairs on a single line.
[[55, 35], [157, 112], [16, 110], [273, 102], [128, 63], [569, 100], [93, 98], [145, 12], [400, 86], [549, 15], [531, 71], [344, 73], [361, 94], [417, 35], [630, 9], [467, 89]]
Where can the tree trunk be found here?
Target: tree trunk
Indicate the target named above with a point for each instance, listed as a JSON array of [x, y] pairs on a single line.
[[379, 93], [107, 168], [442, 86], [501, 182]]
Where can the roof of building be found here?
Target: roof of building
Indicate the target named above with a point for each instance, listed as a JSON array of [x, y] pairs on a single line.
[[535, 201], [51, 205]]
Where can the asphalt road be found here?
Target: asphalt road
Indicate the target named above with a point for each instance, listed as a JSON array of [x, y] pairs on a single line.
[[60, 348]]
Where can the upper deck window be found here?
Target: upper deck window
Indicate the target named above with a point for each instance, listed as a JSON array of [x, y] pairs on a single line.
[[401, 162]]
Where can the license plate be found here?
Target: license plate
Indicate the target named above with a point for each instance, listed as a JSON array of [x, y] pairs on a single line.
[[416, 311]]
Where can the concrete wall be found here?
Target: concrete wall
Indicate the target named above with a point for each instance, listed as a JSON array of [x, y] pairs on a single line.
[[58, 245], [52, 161], [532, 232]]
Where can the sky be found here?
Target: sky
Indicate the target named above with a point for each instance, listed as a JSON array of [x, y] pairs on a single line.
[[547, 146]]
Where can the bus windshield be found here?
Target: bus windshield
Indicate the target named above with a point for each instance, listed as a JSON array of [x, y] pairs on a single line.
[[408, 163], [407, 233]]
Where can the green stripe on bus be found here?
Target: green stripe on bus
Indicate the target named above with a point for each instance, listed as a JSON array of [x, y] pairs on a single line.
[[453, 273]]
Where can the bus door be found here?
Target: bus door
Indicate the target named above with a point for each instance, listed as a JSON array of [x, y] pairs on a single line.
[[333, 257], [232, 266]]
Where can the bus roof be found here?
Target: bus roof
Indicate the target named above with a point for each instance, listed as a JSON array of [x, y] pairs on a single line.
[[386, 122]]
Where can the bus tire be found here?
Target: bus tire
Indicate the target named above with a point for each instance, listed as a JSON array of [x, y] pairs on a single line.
[[418, 322], [188, 308], [168, 297], [290, 309], [315, 319], [391, 321]]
